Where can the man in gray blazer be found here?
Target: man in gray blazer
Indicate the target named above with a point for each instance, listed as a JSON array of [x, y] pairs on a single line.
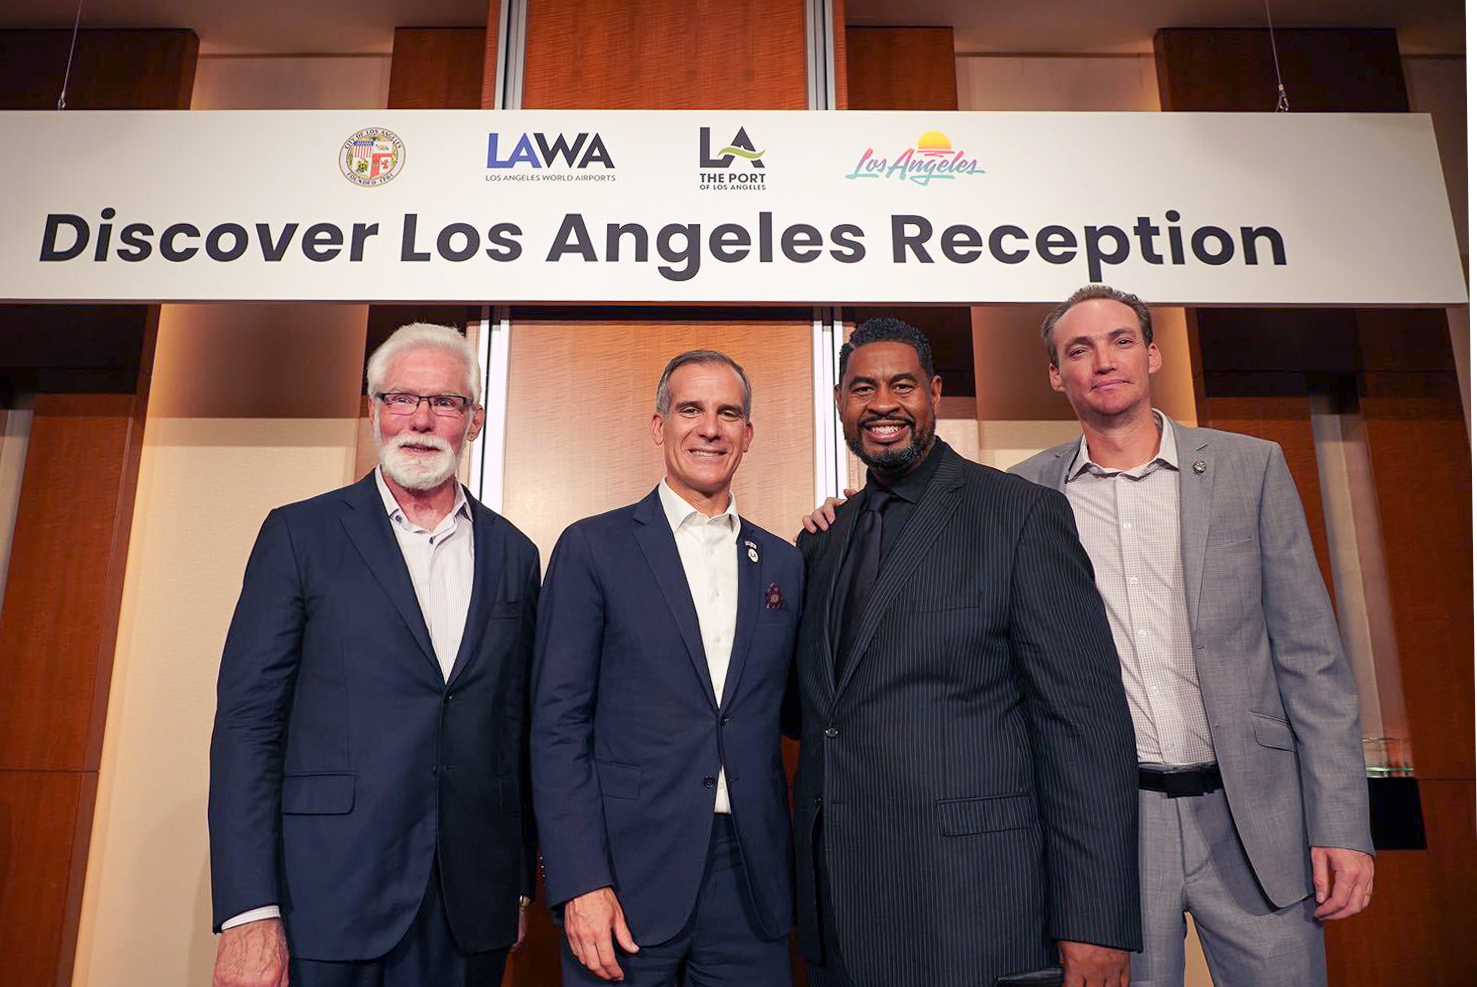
[[1253, 813]]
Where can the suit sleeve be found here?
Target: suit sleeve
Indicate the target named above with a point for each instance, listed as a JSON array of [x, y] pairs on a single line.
[[1317, 688], [566, 671], [254, 690], [1083, 744], [529, 883]]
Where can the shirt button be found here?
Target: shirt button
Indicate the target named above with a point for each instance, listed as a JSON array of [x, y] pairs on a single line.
[[1133, 580], [1127, 525], [1143, 633]]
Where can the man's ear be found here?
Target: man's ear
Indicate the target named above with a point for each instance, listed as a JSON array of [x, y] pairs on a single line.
[[1054, 376], [656, 428]]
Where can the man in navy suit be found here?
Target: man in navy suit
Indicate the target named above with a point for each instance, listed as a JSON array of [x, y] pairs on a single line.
[[662, 661], [369, 808]]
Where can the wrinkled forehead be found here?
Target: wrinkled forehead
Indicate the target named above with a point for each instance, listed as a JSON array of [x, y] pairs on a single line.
[[884, 360], [1097, 317], [429, 369]]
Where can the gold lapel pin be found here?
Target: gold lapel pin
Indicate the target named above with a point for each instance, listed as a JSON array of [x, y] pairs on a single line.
[[1199, 466]]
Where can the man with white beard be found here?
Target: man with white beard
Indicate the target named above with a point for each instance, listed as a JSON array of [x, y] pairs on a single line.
[[369, 817]]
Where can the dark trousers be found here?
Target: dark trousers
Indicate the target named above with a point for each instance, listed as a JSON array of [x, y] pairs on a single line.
[[720, 946], [830, 972], [427, 956]]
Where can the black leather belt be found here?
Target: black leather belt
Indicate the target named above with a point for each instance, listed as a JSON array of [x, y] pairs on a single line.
[[1177, 784]]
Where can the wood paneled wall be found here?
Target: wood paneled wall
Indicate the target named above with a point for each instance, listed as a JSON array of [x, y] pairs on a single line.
[[89, 367], [581, 392], [901, 68], [58, 628], [437, 68], [912, 68], [665, 55], [111, 70], [1254, 368]]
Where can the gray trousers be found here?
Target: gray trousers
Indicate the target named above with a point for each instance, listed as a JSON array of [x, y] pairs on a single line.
[[1191, 860]]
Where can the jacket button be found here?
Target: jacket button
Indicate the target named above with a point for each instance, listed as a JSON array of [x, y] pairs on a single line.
[[448, 696], [710, 782], [832, 733], [724, 722], [817, 801]]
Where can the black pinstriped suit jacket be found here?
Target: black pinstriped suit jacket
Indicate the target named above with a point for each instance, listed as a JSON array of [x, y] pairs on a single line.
[[974, 766]]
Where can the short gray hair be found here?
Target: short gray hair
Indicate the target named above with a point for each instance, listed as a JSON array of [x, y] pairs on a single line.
[[1087, 294], [664, 386], [424, 335]]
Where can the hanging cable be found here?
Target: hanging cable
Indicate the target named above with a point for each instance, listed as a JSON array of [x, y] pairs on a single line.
[[61, 101], [1282, 106]]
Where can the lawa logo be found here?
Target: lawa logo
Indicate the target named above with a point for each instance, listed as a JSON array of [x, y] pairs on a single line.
[[739, 147], [538, 151], [934, 159]]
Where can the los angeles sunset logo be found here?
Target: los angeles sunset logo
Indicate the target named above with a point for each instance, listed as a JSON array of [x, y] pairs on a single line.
[[934, 159]]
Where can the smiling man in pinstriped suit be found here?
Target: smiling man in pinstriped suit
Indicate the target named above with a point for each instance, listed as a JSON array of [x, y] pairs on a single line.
[[965, 796]]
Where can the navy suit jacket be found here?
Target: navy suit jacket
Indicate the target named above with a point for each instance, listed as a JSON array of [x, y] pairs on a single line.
[[628, 737], [342, 764]]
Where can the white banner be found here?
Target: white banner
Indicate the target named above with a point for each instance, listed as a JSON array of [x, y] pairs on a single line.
[[725, 207]]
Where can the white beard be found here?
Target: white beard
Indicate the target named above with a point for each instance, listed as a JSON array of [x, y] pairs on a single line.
[[412, 471]]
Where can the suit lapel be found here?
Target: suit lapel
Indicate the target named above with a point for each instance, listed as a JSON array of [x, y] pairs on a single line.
[[1196, 488], [655, 539], [836, 547], [487, 563], [1056, 469], [368, 528], [750, 598], [929, 519]]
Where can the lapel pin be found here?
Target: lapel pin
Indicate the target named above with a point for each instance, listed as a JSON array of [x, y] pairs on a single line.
[[1199, 466], [753, 554]]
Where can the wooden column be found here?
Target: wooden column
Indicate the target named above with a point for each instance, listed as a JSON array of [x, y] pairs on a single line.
[[912, 68], [88, 367], [1254, 368], [662, 54], [431, 68]]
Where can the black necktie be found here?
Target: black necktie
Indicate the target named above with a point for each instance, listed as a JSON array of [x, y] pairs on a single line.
[[866, 558]]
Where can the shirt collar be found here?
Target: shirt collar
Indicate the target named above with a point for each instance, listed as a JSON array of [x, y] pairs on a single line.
[[912, 484], [678, 510], [459, 507], [1167, 454]]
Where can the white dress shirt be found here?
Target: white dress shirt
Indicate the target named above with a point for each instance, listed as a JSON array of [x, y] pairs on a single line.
[[440, 565], [1129, 523], [708, 548]]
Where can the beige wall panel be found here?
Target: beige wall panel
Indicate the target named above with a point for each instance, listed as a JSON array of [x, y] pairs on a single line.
[[580, 400], [288, 82], [15, 428], [254, 406], [1002, 444], [1057, 82]]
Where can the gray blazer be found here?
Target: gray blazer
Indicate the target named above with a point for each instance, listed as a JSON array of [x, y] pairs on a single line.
[[1283, 710]]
